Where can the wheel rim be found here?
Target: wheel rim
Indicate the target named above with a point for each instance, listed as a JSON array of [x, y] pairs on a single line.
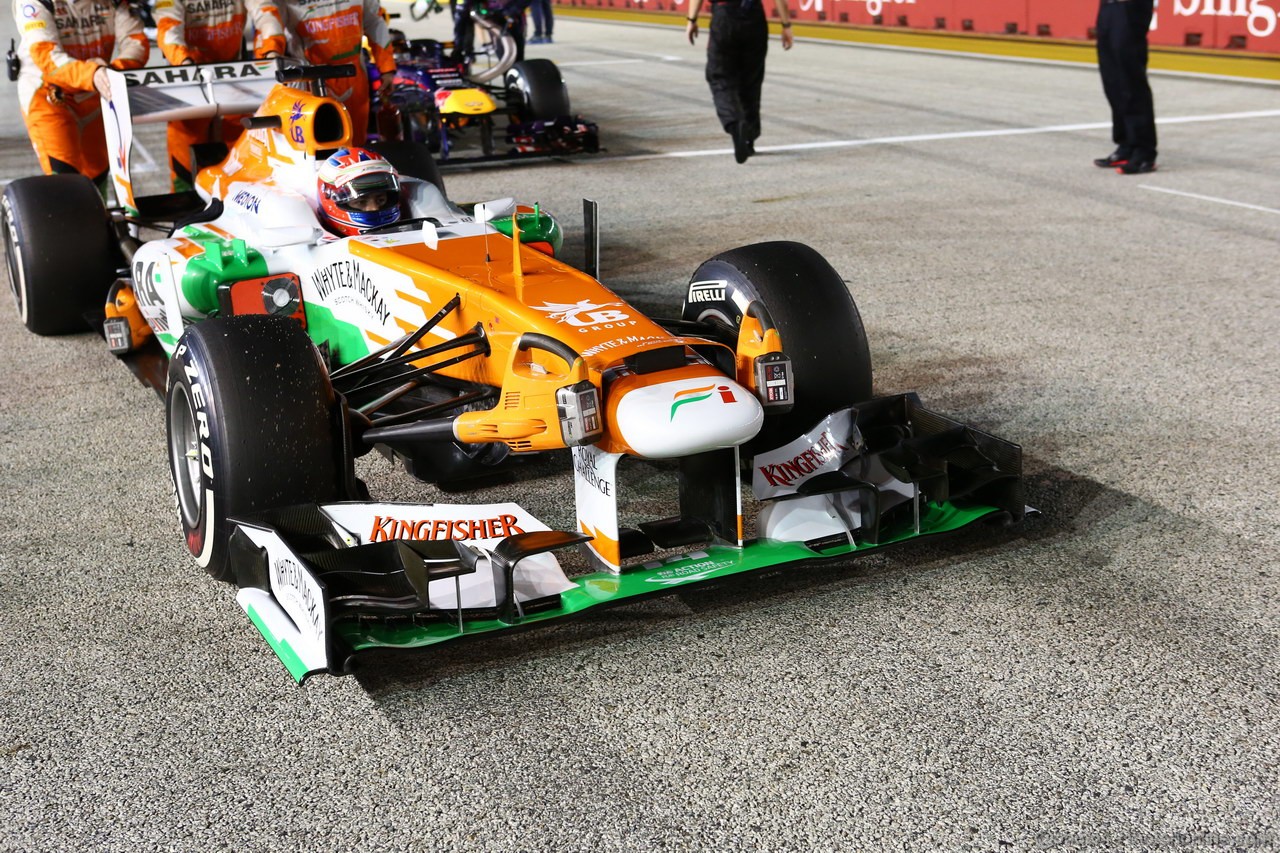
[[184, 456], [523, 95], [17, 284]]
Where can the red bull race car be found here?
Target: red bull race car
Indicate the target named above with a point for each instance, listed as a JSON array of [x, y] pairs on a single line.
[[475, 92], [458, 340]]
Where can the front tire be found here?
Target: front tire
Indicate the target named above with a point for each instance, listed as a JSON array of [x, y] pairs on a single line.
[[61, 254], [815, 315], [250, 427], [536, 91]]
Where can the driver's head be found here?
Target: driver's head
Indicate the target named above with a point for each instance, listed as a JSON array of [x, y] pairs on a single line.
[[358, 190]]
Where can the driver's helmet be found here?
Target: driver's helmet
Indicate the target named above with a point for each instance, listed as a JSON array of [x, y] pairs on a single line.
[[358, 190]]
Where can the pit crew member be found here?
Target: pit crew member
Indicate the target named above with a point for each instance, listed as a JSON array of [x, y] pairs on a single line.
[[331, 32], [66, 47], [198, 31]]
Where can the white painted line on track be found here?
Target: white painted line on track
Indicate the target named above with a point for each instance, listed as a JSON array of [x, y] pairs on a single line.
[[665, 57], [601, 62], [961, 134], [1214, 199]]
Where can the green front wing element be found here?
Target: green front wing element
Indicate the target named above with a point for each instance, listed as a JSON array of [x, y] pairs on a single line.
[[604, 588]]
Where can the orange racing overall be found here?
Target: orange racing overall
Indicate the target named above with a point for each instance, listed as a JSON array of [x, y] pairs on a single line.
[[331, 32], [201, 31], [64, 43]]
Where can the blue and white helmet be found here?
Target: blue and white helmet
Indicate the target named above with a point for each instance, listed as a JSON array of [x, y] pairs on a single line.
[[358, 190]]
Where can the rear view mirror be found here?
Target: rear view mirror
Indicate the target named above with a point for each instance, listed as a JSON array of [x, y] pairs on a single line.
[[487, 211]]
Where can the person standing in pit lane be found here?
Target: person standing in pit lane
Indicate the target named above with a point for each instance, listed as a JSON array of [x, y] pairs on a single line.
[[65, 50], [332, 32], [543, 21], [1122, 60], [735, 63], [198, 31]]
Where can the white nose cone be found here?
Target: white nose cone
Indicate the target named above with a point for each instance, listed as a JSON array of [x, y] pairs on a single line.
[[688, 416]]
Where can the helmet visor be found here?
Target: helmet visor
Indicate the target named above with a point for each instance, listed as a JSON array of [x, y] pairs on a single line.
[[374, 191]]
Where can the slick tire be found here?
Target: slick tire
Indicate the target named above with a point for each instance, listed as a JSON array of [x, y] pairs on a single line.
[[250, 427], [536, 91], [61, 253], [814, 313]]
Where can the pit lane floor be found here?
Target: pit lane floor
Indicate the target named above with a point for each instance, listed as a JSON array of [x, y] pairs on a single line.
[[1103, 678]]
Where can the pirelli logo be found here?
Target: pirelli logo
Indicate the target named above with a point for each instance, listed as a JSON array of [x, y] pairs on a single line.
[[707, 291]]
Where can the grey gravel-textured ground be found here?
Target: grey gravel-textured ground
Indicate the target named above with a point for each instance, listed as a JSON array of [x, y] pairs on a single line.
[[1101, 678]]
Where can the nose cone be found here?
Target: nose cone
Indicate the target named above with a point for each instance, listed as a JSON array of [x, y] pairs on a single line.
[[687, 416]]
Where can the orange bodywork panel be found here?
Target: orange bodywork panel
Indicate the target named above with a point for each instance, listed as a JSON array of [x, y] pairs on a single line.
[[526, 418], [550, 298], [307, 123], [536, 294], [753, 341], [124, 304]]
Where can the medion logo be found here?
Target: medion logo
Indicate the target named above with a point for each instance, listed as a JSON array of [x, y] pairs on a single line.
[[247, 200], [388, 527], [784, 474]]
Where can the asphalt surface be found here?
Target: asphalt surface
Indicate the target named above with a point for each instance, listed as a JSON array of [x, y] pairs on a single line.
[[1104, 677]]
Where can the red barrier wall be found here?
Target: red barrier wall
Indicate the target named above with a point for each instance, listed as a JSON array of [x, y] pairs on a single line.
[[1244, 25]]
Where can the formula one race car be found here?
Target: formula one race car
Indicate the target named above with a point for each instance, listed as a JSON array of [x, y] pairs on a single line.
[[441, 91], [438, 103], [458, 341]]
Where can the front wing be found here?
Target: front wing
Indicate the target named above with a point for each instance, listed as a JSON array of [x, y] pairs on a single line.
[[323, 583]]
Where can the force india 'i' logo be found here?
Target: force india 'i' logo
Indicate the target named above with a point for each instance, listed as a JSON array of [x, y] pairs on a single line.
[[697, 395]]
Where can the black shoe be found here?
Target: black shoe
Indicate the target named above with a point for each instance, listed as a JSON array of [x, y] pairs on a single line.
[[1115, 158], [742, 148], [1136, 167]]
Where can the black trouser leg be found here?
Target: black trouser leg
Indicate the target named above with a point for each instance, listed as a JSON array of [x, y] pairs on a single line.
[[735, 67], [1110, 49], [722, 77], [1122, 62], [752, 81]]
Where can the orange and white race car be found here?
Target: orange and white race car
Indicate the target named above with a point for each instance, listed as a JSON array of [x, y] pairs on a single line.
[[458, 340]]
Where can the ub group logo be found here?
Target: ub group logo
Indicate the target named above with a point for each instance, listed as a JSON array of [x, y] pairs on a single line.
[[583, 314]]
